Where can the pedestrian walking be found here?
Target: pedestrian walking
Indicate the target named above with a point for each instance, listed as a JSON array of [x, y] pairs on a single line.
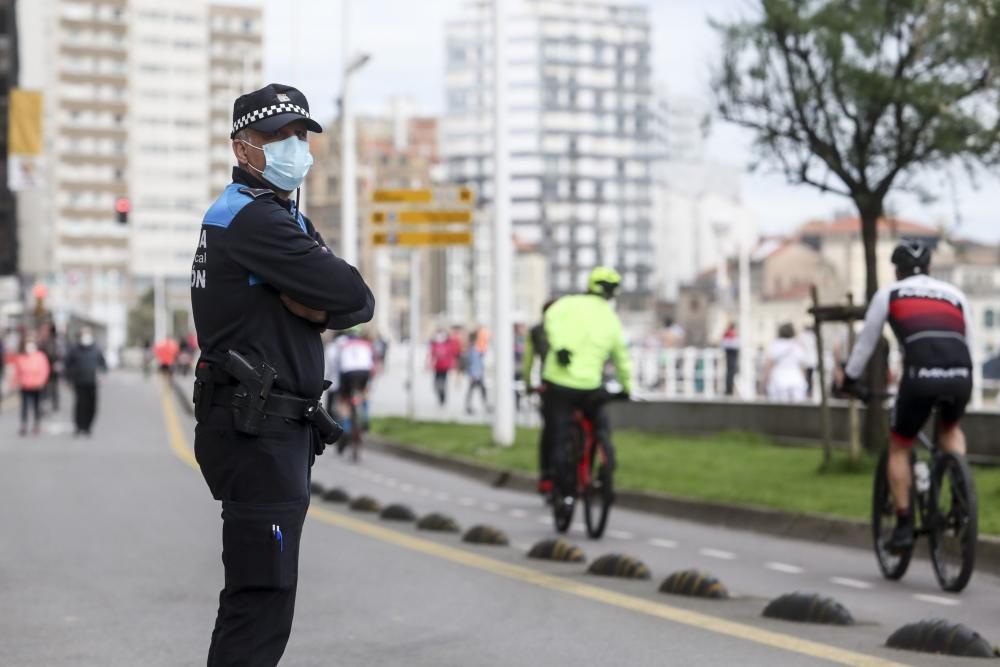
[[3, 368], [810, 361], [784, 364], [54, 348], [730, 345], [475, 369], [264, 286], [442, 359], [166, 352], [31, 373], [84, 362]]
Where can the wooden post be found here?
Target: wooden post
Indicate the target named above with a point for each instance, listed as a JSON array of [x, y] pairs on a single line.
[[824, 405], [853, 425]]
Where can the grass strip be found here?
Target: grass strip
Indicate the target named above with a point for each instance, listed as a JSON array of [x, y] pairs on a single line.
[[736, 468]]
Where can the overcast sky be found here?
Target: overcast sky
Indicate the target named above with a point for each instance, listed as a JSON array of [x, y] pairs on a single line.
[[406, 41]]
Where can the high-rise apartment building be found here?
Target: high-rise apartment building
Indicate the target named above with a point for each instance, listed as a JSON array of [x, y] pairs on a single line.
[[8, 79], [129, 90], [580, 109], [235, 67]]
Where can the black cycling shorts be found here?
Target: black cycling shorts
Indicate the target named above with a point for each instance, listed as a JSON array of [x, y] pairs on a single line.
[[353, 382], [917, 398]]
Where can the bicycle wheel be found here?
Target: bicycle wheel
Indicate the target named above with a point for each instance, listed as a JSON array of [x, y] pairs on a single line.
[[954, 522], [599, 494], [564, 488], [893, 566]]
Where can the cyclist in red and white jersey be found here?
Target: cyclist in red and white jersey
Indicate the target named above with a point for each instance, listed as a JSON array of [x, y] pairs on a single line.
[[355, 362], [930, 319]]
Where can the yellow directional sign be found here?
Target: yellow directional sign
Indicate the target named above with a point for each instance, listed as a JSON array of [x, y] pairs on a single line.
[[422, 217], [402, 196], [445, 194], [422, 238]]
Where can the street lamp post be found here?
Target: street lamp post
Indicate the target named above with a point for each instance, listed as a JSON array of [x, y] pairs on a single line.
[[503, 418], [348, 154]]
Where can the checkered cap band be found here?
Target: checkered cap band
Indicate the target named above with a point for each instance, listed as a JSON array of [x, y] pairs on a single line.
[[261, 114]]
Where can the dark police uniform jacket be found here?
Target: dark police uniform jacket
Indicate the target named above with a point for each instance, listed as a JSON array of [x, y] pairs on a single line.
[[254, 247]]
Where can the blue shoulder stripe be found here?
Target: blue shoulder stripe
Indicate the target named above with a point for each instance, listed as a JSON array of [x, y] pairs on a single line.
[[225, 208]]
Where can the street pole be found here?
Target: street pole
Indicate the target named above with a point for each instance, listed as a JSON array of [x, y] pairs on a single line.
[[348, 180], [503, 418], [159, 309], [411, 402]]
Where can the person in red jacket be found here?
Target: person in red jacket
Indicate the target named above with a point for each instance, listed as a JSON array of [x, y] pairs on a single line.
[[31, 373], [443, 358]]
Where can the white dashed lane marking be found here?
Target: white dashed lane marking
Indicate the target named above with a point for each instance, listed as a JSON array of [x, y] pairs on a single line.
[[620, 534], [851, 583], [443, 497], [406, 488], [718, 553], [467, 502], [937, 599], [662, 543], [518, 514], [784, 567], [544, 519], [491, 507]]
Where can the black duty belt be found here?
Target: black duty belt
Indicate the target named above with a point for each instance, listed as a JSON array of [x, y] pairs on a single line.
[[276, 405]]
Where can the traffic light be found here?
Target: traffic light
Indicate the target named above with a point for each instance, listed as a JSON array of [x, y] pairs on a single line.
[[122, 207]]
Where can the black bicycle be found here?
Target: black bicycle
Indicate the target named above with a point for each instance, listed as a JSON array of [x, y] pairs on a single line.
[[943, 495], [588, 456]]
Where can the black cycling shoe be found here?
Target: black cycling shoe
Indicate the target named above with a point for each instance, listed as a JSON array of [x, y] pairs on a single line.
[[901, 539]]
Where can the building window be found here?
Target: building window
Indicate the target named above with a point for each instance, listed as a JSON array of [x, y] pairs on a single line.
[[989, 318]]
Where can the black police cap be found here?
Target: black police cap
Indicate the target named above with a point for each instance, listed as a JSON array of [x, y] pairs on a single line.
[[271, 108]]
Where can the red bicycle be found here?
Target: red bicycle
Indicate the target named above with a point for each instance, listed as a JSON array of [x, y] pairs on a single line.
[[594, 474]]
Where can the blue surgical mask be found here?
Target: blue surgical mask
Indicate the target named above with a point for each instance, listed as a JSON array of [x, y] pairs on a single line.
[[288, 162]]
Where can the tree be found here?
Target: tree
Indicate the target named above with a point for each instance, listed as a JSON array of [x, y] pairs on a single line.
[[854, 97], [857, 97]]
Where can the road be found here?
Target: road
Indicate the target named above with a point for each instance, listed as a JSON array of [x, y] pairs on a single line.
[[111, 557]]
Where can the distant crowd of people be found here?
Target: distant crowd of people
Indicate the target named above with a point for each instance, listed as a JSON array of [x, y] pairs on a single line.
[[35, 361]]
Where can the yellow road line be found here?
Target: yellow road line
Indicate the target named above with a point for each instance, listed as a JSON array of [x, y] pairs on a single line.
[[178, 443], [569, 586]]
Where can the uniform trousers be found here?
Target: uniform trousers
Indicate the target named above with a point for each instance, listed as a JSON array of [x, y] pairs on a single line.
[[263, 483]]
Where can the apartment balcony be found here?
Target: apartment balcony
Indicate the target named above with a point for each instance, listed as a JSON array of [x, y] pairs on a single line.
[[94, 131], [93, 23], [113, 187], [94, 159], [90, 105], [95, 78], [94, 48]]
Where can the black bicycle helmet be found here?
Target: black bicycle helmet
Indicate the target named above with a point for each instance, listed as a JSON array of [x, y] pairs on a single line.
[[912, 257]]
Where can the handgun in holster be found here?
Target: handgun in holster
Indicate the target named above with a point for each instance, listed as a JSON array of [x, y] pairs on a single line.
[[255, 383]]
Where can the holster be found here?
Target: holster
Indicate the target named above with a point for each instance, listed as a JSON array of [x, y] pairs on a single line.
[[255, 383], [327, 427], [204, 388]]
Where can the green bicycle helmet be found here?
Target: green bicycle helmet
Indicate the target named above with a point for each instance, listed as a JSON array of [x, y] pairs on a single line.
[[604, 281]]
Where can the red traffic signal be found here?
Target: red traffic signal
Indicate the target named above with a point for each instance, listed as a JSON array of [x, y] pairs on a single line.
[[122, 207]]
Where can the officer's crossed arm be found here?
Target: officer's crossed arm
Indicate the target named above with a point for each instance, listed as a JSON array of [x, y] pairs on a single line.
[[274, 248]]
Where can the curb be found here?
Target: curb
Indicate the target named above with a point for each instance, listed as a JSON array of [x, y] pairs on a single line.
[[794, 525]]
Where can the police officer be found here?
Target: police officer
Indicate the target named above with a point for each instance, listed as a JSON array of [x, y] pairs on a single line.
[[264, 286]]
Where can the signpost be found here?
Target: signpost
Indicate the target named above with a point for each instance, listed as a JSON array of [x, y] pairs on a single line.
[[420, 218]]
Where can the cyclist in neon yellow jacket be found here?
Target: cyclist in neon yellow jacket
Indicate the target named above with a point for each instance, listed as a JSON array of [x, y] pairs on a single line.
[[583, 331]]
